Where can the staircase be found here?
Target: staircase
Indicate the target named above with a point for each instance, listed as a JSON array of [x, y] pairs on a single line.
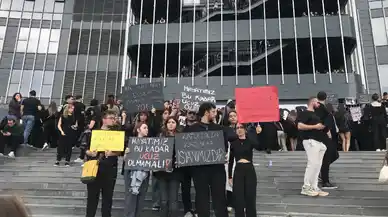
[[57, 192], [216, 65]]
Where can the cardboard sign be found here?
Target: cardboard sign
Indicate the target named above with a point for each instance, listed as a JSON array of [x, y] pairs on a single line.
[[107, 140], [192, 97], [332, 99], [257, 104], [143, 97], [356, 113], [364, 98], [150, 153], [200, 148]]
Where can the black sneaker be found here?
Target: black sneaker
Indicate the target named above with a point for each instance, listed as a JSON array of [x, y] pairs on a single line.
[[268, 151], [328, 185], [56, 164], [67, 164]]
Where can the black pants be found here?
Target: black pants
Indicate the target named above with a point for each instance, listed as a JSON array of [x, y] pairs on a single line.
[[229, 198], [50, 133], [169, 197], [379, 135], [12, 142], [186, 189], [244, 190], [211, 178], [330, 156], [105, 183], [65, 147]]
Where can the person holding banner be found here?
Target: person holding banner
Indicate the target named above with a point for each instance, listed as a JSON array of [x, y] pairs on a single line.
[[209, 177], [136, 181], [106, 176], [169, 181], [244, 180]]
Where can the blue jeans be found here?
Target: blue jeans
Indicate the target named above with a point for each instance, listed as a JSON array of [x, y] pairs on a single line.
[[28, 122], [133, 205]]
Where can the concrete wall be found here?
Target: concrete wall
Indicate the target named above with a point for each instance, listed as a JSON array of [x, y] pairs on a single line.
[[290, 90]]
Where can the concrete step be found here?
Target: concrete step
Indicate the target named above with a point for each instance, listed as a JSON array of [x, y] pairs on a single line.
[[288, 200], [42, 209]]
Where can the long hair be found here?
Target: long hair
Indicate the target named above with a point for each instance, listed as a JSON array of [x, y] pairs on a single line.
[[165, 131], [12, 207], [14, 96], [66, 112], [110, 103], [52, 108], [137, 126]]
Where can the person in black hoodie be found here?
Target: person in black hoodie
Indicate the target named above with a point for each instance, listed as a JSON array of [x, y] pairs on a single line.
[[169, 181], [210, 176], [331, 153]]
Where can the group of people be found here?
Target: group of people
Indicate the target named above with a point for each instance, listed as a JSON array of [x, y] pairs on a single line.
[[71, 124]]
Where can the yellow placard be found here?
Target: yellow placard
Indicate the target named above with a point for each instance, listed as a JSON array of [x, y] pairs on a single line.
[[106, 140]]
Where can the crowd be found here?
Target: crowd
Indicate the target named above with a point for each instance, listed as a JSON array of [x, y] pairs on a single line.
[[319, 129]]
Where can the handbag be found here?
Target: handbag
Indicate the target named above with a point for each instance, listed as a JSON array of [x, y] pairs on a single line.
[[383, 177], [89, 171]]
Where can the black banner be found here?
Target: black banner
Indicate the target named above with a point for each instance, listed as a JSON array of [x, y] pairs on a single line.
[[200, 148], [150, 153], [143, 97], [192, 97]]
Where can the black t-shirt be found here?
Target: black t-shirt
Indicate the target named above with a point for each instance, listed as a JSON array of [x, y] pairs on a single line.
[[79, 111], [324, 116], [310, 118], [30, 106]]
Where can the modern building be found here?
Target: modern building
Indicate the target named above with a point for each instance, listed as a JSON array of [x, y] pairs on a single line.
[[91, 47]]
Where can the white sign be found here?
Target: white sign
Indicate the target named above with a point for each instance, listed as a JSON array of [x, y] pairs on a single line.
[[356, 113]]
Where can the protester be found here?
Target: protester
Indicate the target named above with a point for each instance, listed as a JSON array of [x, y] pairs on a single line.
[[12, 206], [106, 176], [49, 126], [244, 180], [342, 119], [210, 176], [136, 181], [29, 110], [14, 106], [169, 180], [79, 114], [376, 113], [67, 126], [191, 119], [331, 153], [312, 134], [11, 134]]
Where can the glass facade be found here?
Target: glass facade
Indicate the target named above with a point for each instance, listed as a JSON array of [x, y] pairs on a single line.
[[59, 47], [246, 42], [378, 11]]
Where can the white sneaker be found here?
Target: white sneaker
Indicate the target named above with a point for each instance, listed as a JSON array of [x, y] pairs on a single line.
[[378, 150], [82, 165], [230, 209], [1, 154], [189, 214], [78, 160], [11, 154], [45, 146]]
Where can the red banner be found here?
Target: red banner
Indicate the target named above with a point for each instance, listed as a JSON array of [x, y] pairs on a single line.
[[257, 104]]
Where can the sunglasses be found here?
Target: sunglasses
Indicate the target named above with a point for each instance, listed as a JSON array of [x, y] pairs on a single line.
[[240, 127], [191, 113]]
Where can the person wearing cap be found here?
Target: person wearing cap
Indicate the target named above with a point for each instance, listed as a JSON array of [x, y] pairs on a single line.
[[11, 134]]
